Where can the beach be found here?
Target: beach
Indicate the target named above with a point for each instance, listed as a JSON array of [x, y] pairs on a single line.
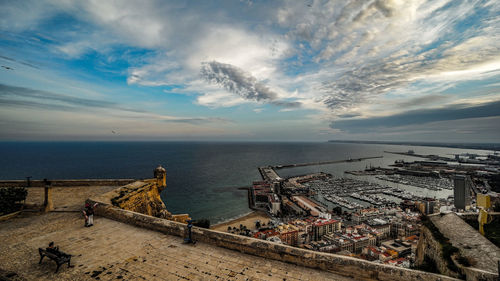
[[247, 220]]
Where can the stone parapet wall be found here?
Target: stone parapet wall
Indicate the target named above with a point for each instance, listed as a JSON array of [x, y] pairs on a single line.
[[428, 246], [67, 183], [482, 255], [347, 266], [473, 274]]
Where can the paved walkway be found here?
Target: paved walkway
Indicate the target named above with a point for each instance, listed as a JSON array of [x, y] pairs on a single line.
[[66, 198], [112, 250]]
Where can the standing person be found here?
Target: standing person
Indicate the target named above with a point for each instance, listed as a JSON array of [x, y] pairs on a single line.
[[88, 212]]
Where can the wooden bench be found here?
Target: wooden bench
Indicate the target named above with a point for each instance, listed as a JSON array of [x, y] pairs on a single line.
[[62, 259]]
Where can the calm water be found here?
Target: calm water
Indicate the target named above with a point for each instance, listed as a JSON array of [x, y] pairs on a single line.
[[202, 178]]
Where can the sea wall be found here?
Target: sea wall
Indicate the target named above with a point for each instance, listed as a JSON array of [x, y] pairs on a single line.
[[347, 266], [66, 183]]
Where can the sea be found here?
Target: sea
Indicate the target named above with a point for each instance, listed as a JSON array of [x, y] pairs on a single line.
[[204, 179]]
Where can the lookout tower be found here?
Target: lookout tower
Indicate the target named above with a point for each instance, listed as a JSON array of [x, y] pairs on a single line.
[[160, 175]]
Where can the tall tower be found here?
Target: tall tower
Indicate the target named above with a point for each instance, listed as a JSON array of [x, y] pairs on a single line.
[[160, 175], [461, 191]]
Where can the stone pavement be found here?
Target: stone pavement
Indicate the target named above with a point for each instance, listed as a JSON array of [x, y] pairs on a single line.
[[111, 250], [66, 198]]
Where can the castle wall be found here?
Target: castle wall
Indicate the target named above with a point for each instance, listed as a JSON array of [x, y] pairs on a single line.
[[66, 183], [481, 253], [429, 247], [141, 197]]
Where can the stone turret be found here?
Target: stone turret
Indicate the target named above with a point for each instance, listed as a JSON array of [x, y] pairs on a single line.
[[160, 175]]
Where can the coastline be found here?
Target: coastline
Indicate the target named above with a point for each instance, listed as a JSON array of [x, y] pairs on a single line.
[[247, 220], [475, 146]]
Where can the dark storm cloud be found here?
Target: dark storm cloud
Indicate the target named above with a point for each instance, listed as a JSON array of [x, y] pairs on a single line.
[[416, 117], [239, 82]]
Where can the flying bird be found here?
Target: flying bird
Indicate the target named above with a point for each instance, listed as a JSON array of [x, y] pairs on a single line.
[[7, 67], [113, 132]]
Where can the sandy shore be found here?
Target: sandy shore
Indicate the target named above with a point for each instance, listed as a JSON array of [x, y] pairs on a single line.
[[248, 221]]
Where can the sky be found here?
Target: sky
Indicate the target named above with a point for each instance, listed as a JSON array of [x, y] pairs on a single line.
[[387, 70]]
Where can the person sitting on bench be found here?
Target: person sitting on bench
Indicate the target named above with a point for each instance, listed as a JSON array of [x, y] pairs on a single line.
[[55, 250], [53, 253]]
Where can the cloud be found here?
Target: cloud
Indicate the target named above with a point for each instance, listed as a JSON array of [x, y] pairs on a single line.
[[235, 80], [373, 48], [421, 116], [424, 100], [18, 61], [337, 59], [20, 97], [349, 115], [239, 82], [469, 130], [198, 120]]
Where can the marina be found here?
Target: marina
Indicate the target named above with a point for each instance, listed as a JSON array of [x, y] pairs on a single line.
[[422, 182], [339, 190]]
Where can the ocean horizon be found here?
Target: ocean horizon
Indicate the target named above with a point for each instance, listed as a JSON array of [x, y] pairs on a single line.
[[202, 177]]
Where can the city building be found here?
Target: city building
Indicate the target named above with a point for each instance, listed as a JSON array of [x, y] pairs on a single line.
[[483, 201], [344, 245], [427, 206], [290, 208], [462, 192], [401, 229], [289, 234], [382, 226], [307, 204], [323, 246], [322, 227], [266, 234], [401, 248], [274, 204]]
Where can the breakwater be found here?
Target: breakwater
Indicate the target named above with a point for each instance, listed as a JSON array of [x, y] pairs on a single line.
[[325, 162]]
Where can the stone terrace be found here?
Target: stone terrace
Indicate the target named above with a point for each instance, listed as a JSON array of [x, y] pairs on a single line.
[[112, 250], [66, 198]]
